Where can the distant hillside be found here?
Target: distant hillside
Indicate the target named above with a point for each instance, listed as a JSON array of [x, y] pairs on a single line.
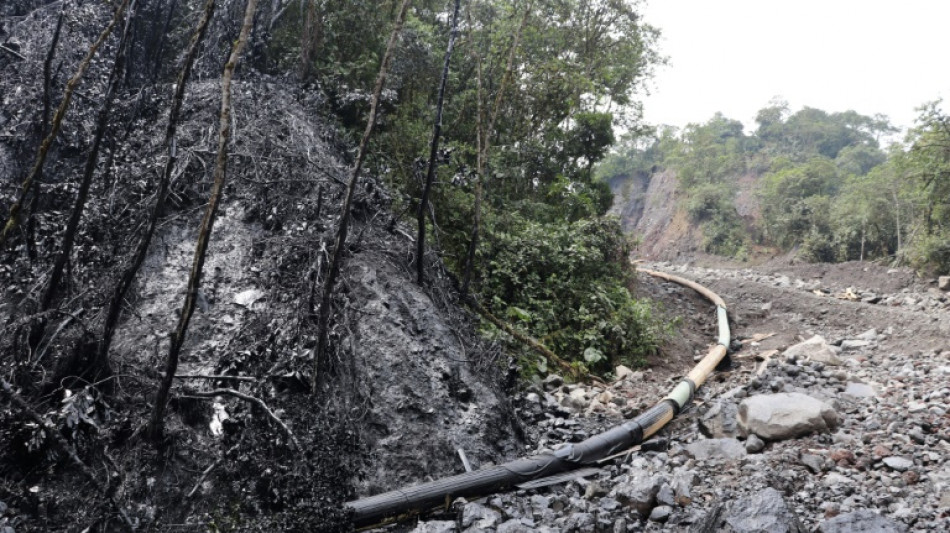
[[814, 182]]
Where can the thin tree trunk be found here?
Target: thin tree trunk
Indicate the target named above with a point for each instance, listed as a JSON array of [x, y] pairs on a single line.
[[102, 123], [157, 423], [897, 221], [864, 233], [485, 147], [27, 186], [323, 319], [44, 124], [128, 276], [434, 149], [479, 177], [311, 38]]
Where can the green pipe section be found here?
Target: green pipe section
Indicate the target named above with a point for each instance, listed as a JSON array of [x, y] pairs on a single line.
[[682, 394], [723, 319]]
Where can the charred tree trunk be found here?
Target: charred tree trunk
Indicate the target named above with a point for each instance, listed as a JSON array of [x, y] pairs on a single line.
[[102, 123], [37, 169], [160, 49], [323, 318], [157, 423], [131, 271], [44, 125], [434, 149]]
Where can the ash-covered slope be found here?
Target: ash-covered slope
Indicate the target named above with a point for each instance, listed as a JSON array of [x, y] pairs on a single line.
[[411, 380]]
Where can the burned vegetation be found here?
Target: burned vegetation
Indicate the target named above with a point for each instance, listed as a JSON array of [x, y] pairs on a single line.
[[116, 161]]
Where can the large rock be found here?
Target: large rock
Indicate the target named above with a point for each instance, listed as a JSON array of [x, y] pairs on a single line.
[[863, 521], [785, 416], [480, 516], [762, 512], [639, 492], [720, 420], [716, 449], [943, 283], [814, 349]]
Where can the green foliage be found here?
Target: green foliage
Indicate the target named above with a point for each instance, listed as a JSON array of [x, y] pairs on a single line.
[[567, 284], [925, 171], [819, 184]]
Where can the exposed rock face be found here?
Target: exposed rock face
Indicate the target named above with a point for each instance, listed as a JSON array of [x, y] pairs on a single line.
[[785, 416], [764, 512], [864, 521]]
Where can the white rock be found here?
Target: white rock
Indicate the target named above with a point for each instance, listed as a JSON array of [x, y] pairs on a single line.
[[716, 449], [854, 344], [814, 349], [623, 372], [898, 463], [248, 297], [860, 390]]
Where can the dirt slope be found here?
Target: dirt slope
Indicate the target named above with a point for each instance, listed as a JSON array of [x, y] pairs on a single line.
[[412, 382]]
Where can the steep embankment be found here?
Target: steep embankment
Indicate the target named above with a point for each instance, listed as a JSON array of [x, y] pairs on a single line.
[[648, 206], [411, 380], [652, 208]]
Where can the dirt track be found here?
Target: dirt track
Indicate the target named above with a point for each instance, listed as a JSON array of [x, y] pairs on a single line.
[[885, 467]]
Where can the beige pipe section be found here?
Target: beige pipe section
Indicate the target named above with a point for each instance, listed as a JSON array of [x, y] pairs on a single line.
[[700, 373], [710, 295]]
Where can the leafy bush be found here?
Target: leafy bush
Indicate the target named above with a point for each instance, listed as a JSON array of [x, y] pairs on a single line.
[[932, 252], [568, 285]]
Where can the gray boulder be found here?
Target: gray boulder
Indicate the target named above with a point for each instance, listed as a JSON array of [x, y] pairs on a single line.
[[785, 416], [720, 420], [861, 521], [943, 283], [479, 516], [639, 492], [753, 444], [762, 512]]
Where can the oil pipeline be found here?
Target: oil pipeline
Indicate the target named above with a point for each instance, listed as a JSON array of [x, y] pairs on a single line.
[[397, 505]]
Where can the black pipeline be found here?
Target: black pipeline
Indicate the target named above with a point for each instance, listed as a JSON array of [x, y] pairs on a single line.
[[398, 504]]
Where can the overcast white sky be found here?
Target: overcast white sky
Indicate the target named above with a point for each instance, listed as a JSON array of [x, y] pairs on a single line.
[[873, 56]]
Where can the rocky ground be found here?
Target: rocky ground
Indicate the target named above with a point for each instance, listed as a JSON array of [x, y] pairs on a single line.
[[833, 418]]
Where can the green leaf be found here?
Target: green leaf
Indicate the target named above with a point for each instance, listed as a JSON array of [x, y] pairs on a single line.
[[593, 355]]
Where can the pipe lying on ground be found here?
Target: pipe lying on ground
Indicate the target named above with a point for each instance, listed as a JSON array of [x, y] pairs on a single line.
[[395, 505]]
